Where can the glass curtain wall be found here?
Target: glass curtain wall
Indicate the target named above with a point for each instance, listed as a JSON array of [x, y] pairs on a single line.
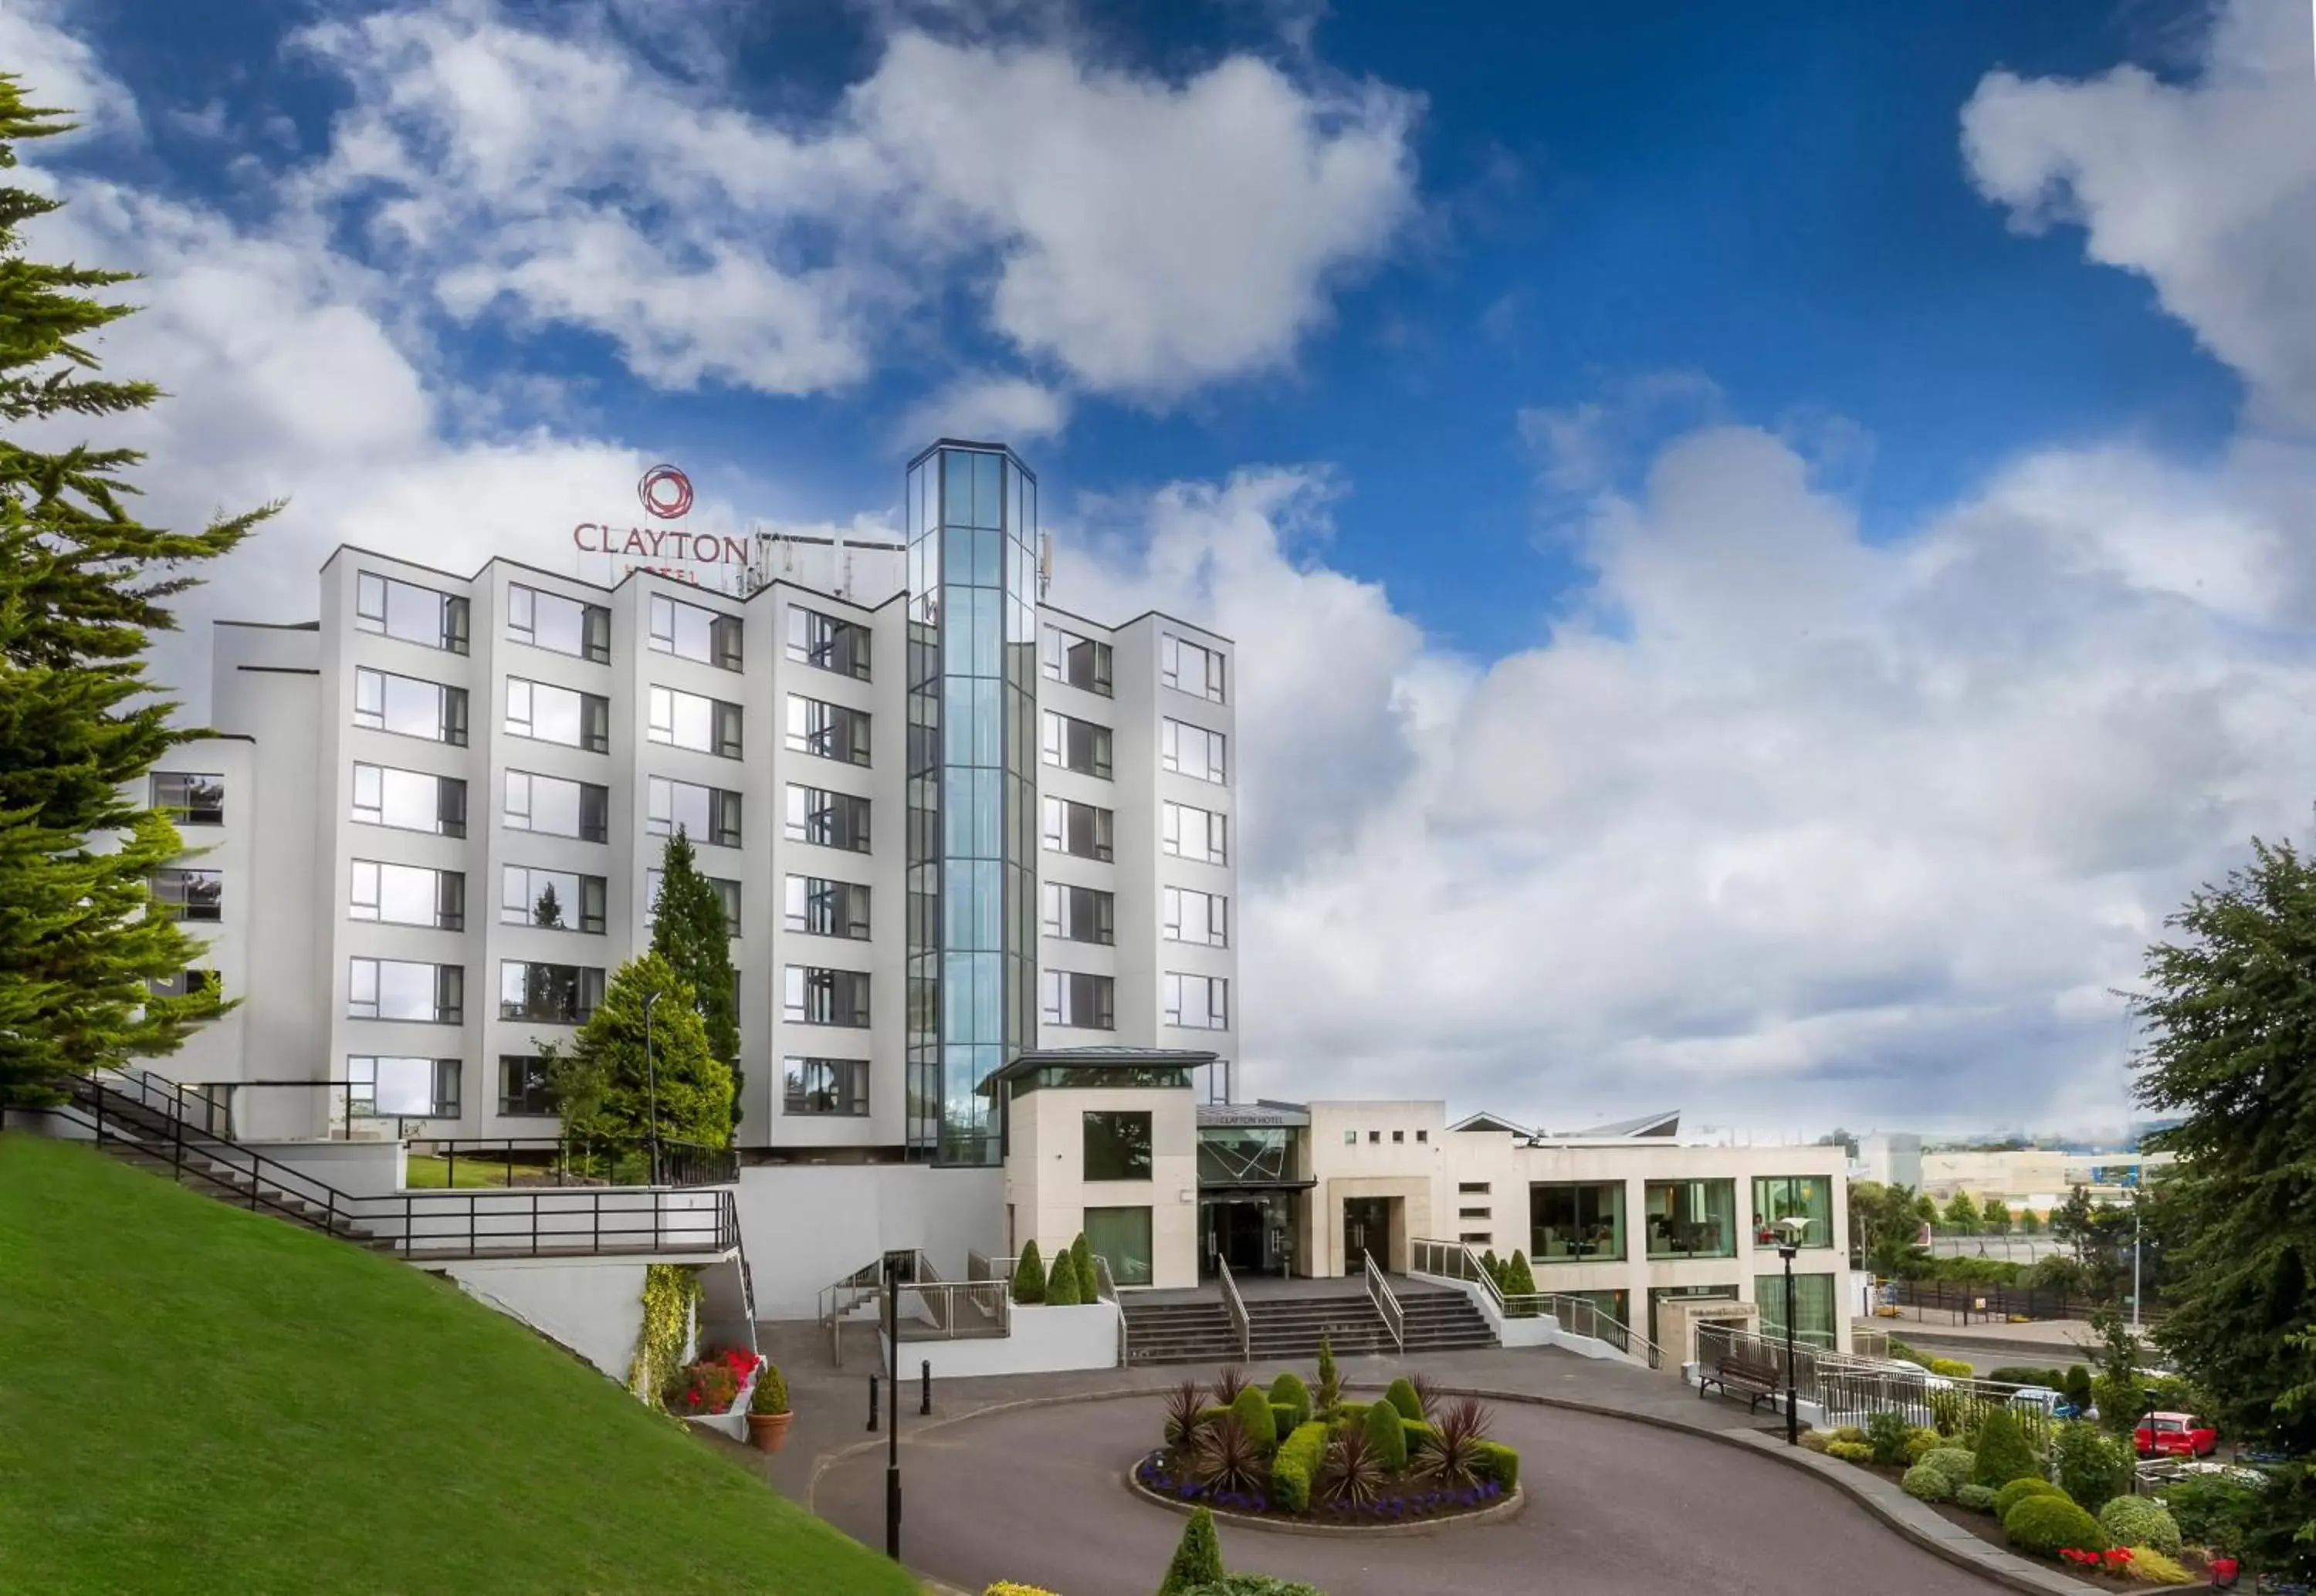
[[972, 515]]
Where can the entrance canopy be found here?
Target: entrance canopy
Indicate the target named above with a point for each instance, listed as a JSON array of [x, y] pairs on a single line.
[[1124, 1068]]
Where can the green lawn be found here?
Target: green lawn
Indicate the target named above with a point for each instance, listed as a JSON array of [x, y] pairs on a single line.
[[194, 1399]]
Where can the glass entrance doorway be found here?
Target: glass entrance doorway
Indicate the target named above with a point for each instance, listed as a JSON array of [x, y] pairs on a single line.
[[1366, 1227], [1249, 1232]]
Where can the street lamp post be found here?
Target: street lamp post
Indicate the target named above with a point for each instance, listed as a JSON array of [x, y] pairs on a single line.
[[651, 1086], [1789, 1242]]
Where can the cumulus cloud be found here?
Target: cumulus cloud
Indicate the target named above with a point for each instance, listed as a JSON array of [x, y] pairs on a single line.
[[1011, 409]]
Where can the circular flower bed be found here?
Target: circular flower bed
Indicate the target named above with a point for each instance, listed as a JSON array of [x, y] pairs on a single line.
[[1416, 1504]]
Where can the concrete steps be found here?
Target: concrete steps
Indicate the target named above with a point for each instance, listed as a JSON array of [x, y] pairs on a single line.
[[1179, 1333]]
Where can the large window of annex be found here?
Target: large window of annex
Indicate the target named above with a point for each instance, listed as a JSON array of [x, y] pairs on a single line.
[[1693, 1218], [1576, 1221], [1806, 1197]]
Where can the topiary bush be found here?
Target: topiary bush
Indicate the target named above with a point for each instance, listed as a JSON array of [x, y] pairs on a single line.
[[2018, 1489], [1288, 1391], [2003, 1454], [1977, 1498], [1197, 1557], [2045, 1524], [2135, 1521], [1029, 1276], [1062, 1282], [1401, 1394], [2077, 1384], [1920, 1443], [1498, 1462], [2091, 1466], [1927, 1483], [1952, 1367], [1297, 1460], [1386, 1432], [1081, 1265], [1885, 1433], [1952, 1464], [1850, 1451], [1331, 1381], [1251, 1409]]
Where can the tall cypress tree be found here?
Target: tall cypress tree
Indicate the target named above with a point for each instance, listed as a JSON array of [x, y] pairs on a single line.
[[83, 586], [689, 932]]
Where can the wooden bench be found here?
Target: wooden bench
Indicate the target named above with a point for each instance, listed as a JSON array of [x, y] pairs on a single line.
[[1757, 1380]]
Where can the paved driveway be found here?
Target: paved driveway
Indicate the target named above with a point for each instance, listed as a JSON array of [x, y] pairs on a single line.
[[1615, 1507]]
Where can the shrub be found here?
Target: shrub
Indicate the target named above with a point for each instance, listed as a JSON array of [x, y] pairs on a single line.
[[1029, 1276], [1977, 1498], [2003, 1454], [699, 1389], [1229, 1380], [1449, 1450], [771, 1392], [1500, 1464], [1228, 1459], [1350, 1474], [2018, 1489], [1251, 1409], [1081, 1265], [1348, 1415], [2135, 1521], [1952, 1367], [1253, 1584], [1212, 1415], [1062, 1282], [2043, 1524], [1197, 1557], [1185, 1412], [1284, 1420], [1427, 1391], [1951, 1464], [2091, 1466], [1886, 1434], [1850, 1432], [1401, 1394], [1288, 1391], [2015, 1374], [2150, 1566], [1920, 1443], [2077, 1385], [1008, 1588], [1927, 1483], [1816, 1441], [1386, 1432], [1850, 1451], [1330, 1380], [1293, 1465], [1520, 1280], [2210, 1510]]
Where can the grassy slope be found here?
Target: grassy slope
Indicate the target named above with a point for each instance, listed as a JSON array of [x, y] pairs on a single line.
[[193, 1398]]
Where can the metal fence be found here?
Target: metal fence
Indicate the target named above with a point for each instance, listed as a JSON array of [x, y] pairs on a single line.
[[1968, 1300], [1849, 1390]]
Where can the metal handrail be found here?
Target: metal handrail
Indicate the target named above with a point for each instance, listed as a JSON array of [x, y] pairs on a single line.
[[1237, 1306], [1385, 1300], [1846, 1388], [841, 1297], [1455, 1260], [1598, 1323], [1105, 1290]]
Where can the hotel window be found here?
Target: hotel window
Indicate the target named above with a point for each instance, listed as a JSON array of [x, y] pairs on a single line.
[[1197, 1002], [1477, 1237], [549, 714], [1813, 1323], [1069, 997], [550, 994], [686, 720], [828, 644], [409, 800], [409, 707], [1193, 751], [523, 1090], [826, 1087], [414, 614], [1399, 1136], [1808, 1197], [1079, 914], [812, 996], [1081, 661], [1423, 1135], [1199, 918], [190, 894], [1351, 1139], [1074, 744], [820, 908], [1692, 1218], [830, 731], [693, 631], [386, 1088], [704, 814], [552, 899], [1473, 1213], [727, 893], [1193, 833], [551, 806], [1117, 1145], [1078, 829], [189, 799], [1571, 1222], [560, 626], [831, 819], [1120, 1237], [1473, 1188], [400, 989], [1188, 668], [185, 983], [406, 895]]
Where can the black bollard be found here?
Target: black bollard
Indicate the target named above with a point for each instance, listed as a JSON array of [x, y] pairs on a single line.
[[925, 1386], [872, 1404]]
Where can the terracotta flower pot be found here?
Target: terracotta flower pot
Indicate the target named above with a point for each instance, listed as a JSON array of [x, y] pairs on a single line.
[[769, 1432]]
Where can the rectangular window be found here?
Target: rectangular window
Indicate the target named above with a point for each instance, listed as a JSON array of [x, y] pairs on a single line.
[[190, 894], [1197, 1002], [1071, 998], [1477, 1237], [1074, 744], [693, 631], [1081, 661], [400, 989], [1192, 833], [1812, 1308], [1117, 1145], [1572, 1223], [560, 624], [185, 983], [813, 995], [1199, 918], [1473, 1188], [686, 720], [820, 908], [551, 806], [704, 814], [1808, 1197], [409, 800], [826, 1087], [828, 644], [1079, 914], [552, 899], [831, 819], [406, 895], [1078, 829], [1190, 668], [829, 730], [409, 707], [1473, 1213], [524, 1091], [550, 994], [1120, 1237], [549, 714], [1692, 1218], [727, 892], [1193, 751], [386, 1088], [189, 799], [395, 608]]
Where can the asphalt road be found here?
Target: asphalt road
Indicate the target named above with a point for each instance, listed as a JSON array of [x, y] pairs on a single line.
[[1614, 1507]]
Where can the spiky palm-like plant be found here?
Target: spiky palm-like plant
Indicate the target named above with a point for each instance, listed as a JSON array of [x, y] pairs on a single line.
[[1228, 1459], [1184, 1404], [1427, 1392], [1351, 1473], [1451, 1453], [1230, 1379]]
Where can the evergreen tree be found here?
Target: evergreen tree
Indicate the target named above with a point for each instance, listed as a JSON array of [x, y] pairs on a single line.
[[1331, 1381], [1029, 1275], [1962, 1216], [84, 584], [2030, 1223], [1197, 1557], [1062, 1282], [1995, 1217], [1082, 1263], [689, 931], [608, 1090]]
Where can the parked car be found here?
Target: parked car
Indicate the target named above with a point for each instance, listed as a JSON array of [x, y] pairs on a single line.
[[2179, 1434], [1907, 1366], [2043, 1399]]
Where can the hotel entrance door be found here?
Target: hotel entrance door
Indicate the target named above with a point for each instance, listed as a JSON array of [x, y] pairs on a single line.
[[1249, 1233], [1366, 1227]]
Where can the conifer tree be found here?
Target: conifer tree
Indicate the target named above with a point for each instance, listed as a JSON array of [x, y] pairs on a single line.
[[690, 932], [83, 585], [609, 1091]]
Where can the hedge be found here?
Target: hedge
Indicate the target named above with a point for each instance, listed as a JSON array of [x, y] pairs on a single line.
[[1387, 1433], [1297, 1460], [1401, 1394], [1977, 1498], [1251, 1409], [2135, 1521], [1498, 1462], [1288, 1391], [2018, 1489], [2045, 1525]]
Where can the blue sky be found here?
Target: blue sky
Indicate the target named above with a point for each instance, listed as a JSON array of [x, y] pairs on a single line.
[[1768, 540]]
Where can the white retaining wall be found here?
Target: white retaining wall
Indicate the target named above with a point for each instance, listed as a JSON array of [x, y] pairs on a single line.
[[1044, 1341], [594, 1305], [806, 1226]]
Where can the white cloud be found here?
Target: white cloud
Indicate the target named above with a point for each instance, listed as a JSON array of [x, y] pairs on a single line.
[[56, 67], [1013, 409]]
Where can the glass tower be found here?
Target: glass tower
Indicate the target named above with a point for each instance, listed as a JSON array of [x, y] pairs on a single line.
[[972, 524]]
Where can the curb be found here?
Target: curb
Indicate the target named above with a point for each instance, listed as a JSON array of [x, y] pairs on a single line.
[[1508, 1507]]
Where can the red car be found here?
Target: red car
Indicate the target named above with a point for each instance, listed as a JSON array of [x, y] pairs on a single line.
[[2176, 1435]]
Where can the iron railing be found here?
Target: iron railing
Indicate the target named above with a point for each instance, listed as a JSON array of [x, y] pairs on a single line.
[[1580, 1316], [1848, 1389], [1386, 1300], [1105, 1290], [1970, 1299], [840, 1298], [1456, 1261], [1237, 1306]]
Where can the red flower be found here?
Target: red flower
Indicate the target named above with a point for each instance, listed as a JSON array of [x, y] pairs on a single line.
[[2118, 1556]]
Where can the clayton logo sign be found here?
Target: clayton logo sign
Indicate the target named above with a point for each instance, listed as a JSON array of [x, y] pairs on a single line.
[[665, 494]]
